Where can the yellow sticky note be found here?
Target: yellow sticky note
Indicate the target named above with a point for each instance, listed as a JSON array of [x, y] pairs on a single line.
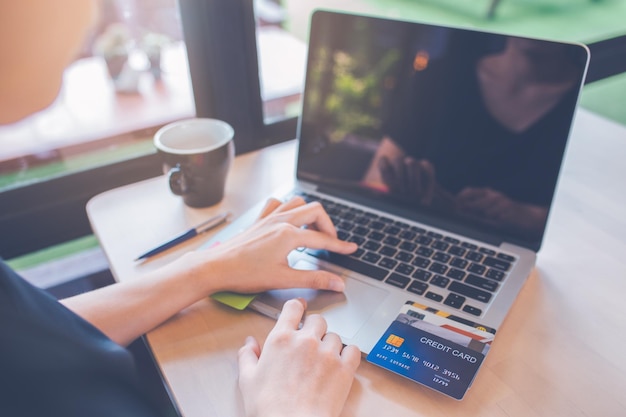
[[234, 300]]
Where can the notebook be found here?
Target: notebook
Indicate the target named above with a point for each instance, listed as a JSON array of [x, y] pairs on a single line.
[[437, 150]]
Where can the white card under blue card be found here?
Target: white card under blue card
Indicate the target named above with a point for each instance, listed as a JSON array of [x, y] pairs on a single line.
[[433, 348]]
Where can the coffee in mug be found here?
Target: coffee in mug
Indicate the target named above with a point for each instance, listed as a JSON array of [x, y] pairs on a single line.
[[196, 154]]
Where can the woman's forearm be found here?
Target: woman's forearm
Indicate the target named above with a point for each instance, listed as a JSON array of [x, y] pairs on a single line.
[[253, 261], [125, 311]]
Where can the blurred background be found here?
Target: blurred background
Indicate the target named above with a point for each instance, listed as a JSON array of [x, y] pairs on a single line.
[[132, 76]]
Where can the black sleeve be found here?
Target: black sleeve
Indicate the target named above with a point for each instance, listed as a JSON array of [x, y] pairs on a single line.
[[53, 362]]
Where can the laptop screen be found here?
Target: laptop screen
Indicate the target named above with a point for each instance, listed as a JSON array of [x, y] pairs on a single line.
[[466, 129]]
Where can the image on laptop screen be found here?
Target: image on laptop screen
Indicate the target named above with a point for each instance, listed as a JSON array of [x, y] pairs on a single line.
[[466, 128]]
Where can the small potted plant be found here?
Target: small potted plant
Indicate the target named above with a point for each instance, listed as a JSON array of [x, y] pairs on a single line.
[[152, 44], [114, 45]]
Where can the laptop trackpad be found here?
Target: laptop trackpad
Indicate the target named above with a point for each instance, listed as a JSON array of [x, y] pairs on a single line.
[[345, 312]]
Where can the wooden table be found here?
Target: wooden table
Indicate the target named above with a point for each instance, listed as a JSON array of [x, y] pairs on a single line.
[[560, 351]]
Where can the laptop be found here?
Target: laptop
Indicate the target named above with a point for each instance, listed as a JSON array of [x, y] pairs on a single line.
[[437, 150]]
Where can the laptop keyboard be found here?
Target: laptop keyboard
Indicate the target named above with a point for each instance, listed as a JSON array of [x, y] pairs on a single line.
[[457, 273]]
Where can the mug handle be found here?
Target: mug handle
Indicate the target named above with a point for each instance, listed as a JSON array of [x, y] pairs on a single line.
[[178, 183]]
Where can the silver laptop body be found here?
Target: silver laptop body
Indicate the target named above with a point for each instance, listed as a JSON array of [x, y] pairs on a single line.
[[474, 170]]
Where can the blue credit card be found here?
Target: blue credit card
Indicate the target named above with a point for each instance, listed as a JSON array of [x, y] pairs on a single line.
[[438, 356]]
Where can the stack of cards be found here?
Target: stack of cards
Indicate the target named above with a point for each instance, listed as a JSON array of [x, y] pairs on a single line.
[[433, 348]]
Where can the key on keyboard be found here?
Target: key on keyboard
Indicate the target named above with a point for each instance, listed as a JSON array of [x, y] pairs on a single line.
[[460, 274]]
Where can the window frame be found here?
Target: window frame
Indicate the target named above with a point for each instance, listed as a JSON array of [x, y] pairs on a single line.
[[229, 88]]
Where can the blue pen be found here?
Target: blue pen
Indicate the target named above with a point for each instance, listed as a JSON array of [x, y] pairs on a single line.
[[201, 228]]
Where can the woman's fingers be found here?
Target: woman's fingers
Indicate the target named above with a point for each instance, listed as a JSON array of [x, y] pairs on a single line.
[[315, 325], [274, 205], [290, 317], [427, 178], [297, 213], [291, 204], [271, 205], [249, 353], [332, 341], [318, 240], [351, 355]]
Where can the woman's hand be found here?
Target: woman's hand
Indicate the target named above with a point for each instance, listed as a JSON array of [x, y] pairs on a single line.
[[253, 261], [256, 259], [493, 207], [410, 178], [304, 372], [415, 182]]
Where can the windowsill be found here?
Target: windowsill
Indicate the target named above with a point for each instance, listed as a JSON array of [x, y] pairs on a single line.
[[61, 263]]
